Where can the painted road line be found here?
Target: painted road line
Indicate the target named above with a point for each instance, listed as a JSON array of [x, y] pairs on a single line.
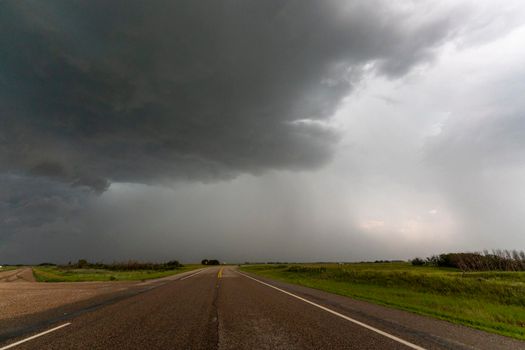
[[35, 336], [388, 335], [183, 278], [219, 274]]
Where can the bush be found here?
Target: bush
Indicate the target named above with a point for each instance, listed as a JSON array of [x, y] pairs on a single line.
[[306, 269]]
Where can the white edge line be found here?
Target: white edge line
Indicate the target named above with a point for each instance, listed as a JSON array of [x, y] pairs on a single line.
[[35, 336], [388, 335], [183, 278]]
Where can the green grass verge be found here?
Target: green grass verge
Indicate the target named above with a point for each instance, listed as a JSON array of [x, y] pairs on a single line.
[[56, 274], [490, 301], [7, 268]]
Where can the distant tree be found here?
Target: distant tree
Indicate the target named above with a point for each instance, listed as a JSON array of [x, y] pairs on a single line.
[[418, 262], [82, 263], [173, 264], [214, 262], [204, 262], [446, 260]]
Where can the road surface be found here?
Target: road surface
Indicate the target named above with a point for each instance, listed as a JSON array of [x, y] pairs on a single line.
[[222, 308]]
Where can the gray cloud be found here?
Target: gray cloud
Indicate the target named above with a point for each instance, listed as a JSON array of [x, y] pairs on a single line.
[[93, 92], [28, 204], [472, 145], [477, 164]]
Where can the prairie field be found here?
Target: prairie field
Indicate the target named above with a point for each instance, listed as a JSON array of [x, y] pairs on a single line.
[[492, 301], [60, 274]]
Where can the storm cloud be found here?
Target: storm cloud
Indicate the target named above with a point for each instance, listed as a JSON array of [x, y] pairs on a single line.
[[98, 95], [93, 92]]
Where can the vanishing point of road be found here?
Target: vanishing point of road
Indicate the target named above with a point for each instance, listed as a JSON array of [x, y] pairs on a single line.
[[224, 308]]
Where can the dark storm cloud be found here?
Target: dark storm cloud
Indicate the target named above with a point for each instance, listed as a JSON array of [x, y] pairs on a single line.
[[26, 202], [95, 91]]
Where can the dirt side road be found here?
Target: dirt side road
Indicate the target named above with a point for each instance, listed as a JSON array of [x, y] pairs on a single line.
[[19, 275]]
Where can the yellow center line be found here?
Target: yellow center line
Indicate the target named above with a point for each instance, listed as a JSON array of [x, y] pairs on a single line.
[[219, 275]]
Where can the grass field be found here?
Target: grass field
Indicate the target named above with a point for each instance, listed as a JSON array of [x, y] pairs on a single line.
[[56, 274], [7, 268], [490, 301]]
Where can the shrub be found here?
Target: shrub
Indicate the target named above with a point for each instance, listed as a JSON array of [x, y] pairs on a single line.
[[306, 269]]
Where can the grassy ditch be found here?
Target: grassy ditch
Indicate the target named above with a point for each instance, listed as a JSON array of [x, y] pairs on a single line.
[[490, 301], [64, 274]]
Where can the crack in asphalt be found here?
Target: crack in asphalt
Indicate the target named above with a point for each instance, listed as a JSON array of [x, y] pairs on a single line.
[[214, 316]]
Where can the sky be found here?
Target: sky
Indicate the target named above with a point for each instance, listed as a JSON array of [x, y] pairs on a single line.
[[260, 131]]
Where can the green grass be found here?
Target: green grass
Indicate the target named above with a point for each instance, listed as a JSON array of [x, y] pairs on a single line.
[[56, 274], [7, 268], [490, 301]]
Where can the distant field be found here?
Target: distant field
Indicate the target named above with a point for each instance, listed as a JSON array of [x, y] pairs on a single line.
[[7, 268], [55, 274], [491, 301]]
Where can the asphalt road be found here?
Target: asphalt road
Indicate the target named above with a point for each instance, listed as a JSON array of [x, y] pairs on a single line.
[[220, 308]]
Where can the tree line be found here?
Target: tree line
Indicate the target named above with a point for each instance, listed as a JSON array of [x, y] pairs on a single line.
[[129, 265], [496, 260], [210, 262]]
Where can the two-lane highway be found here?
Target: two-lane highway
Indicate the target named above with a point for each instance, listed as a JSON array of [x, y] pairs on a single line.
[[222, 308]]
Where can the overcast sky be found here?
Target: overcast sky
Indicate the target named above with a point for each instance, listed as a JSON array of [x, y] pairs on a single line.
[[260, 130]]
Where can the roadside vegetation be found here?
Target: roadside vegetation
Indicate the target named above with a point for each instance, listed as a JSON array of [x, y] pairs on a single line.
[[83, 271], [493, 301], [497, 260]]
